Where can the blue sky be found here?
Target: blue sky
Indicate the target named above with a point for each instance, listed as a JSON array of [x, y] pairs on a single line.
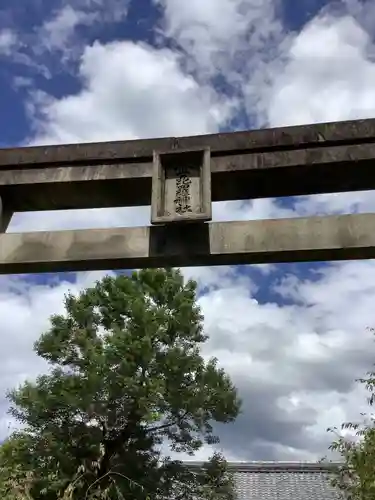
[[93, 70], [139, 24]]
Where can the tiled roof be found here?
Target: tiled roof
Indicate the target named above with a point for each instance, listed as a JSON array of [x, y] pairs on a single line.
[[282, 481]]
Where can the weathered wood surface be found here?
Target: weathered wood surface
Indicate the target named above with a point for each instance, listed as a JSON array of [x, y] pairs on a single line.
[[302, 136], [279, 240], [324, 158]]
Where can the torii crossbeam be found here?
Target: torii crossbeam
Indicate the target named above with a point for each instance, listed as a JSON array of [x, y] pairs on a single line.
[[180, 177]]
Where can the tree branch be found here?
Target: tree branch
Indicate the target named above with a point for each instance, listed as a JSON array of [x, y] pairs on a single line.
[[170, 424]]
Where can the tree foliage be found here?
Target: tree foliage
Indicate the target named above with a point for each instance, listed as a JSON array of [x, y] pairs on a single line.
[[126, 375], [355, 478]]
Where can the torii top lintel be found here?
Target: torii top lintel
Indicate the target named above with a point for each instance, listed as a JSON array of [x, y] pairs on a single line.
[[288, 161]]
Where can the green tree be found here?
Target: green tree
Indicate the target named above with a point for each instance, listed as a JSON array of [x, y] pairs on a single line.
[[126, 375], [355, 478]]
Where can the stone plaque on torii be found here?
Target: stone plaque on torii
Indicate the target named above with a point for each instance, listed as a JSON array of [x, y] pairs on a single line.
[[180, 178]]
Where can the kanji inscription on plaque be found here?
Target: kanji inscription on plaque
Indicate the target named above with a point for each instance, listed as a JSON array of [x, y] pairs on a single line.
[[181, 186]]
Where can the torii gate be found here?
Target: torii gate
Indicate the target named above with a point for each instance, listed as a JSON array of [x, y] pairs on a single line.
[[180, 177]]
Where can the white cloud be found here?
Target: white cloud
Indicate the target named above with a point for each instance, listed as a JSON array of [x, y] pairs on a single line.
[[294, 365], [56, 43], [8, 41], [130, 91], [57, 32], [221, 34], [329, 75], [60, 33], [231, 43], [108, 11]]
